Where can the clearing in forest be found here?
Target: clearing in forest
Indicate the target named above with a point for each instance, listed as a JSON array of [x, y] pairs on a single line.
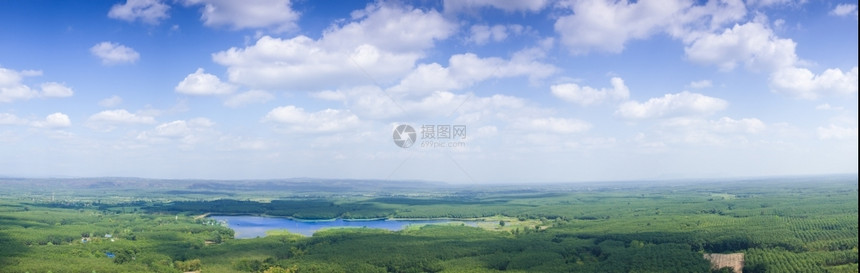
[[735, 261]]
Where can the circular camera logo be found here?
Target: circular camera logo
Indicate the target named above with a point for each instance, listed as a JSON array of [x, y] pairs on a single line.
[[404, 136]]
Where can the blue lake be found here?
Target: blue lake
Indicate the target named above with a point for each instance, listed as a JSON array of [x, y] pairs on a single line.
[[256, 226]]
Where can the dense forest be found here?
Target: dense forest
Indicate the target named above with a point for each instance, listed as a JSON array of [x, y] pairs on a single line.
[[780, 225]]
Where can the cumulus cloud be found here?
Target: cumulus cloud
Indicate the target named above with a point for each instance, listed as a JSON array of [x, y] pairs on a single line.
[[802, 83], [390, 27], [845, 10], [508, 6], [837, 132], [249, 97], [481, 34], [464, 70], [108, 120], [54, 121], [147, 11], [586, 95], [298, 120], [600, 25], [275, 14], [201, 84], [380, 43], [113, 101], [56, 90], [607, 25], [12, 89], [113, 53], [752, 44], [679, 104], [372, 102], [186, 132], [768, 3], [299, 64]]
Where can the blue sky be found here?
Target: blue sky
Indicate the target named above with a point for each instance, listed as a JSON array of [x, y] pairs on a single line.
[[547, 91]]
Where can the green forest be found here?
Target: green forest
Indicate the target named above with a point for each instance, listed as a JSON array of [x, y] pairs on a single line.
[[806, 224]]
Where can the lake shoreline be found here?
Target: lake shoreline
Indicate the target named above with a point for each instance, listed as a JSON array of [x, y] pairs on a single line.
[[481, 219], [252, 226]]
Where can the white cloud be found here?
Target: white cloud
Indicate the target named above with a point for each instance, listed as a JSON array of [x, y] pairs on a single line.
[[481, 34], [108, 120], [698, 130], [12, 89], [390, 27], [752, 44], [372, 102], [53, 121], [506, 5], [607, 26], [147, 11], [56, 90], [301, 64], [121, 116], [249, 97], [701, 84], [679, 104], [465, 70], [10, 119], [744, 125], [802, 83], [16, 92], [328, 120], [187, 132], [552, 125], [586, 95], [759, 49], [837, 132], [113, 53], [381, 43], [9, 77], [768, 3], [845, 10], [275, 14], [176, 128], [202, 84], [113, 101]]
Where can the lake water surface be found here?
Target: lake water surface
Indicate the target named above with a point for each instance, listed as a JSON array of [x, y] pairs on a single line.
[[256, 226]]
